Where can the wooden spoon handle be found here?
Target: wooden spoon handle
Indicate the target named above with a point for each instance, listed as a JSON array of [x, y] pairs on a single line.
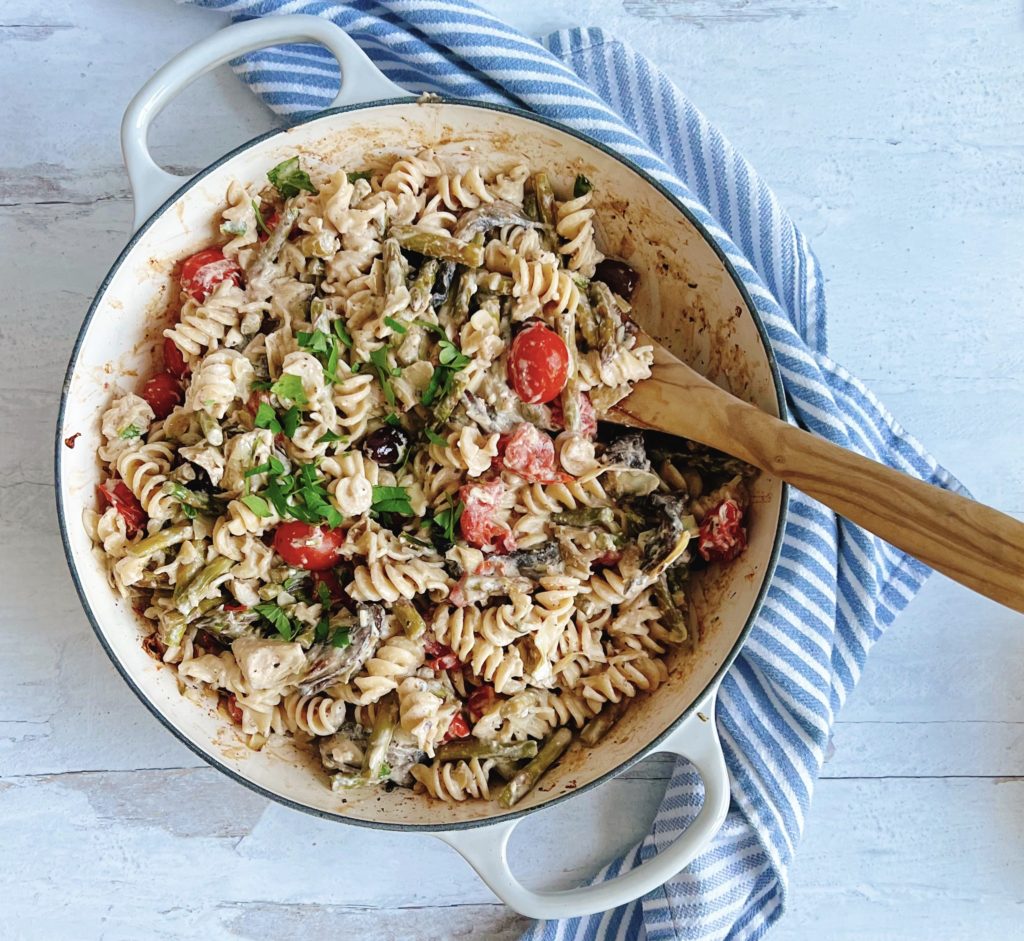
[[968, 541]]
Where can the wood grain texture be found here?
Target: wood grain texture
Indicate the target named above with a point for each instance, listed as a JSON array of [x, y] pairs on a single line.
[[973, 544], [912, 192]]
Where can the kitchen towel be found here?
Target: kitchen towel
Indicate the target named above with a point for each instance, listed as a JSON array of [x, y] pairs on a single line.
[[836, 588]]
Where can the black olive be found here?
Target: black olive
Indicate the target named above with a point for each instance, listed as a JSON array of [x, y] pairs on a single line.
[[386, 445], [618, 276]]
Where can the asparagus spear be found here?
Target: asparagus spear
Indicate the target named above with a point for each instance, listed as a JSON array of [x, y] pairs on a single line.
[[273, 245], [445, 407], [588, 322], [467, 748], [545, 196], [585, 516], [527, 778], [438, 246], [607, 314], [161, 540], [380, 740], [196, 499], [172, 625], [571, 413], [598, 727], [394, 268], [411, 620], [212, 431], [188, 595], [671, 612], [422, 285]]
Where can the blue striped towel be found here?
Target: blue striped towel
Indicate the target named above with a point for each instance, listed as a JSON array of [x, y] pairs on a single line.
[[836, 588]]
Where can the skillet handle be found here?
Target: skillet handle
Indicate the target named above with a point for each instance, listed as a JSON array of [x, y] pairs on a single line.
[[485, 848], [151, 185]]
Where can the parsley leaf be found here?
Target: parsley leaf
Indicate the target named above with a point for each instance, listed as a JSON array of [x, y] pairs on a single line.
[[258, 505], [315, 342], [330, 437], [324, 594], [449, 518], [451, 356], [281, 622], [395, 325], [342, 637], [416, 541], [289, 180], [129, 431], [260, 385], [380, 367], [391, 500], [272, 466], [359, 175], [266, 417], [450, 361], [290, 421], [385, 770], [289, 388], [342, 333], [434, 438]]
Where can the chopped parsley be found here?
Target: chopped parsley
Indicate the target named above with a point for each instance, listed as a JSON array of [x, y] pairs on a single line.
[[385, 770], [289, 388], [380, 367], [342, 333], [129, 432], [395, 325], [301, 495], [272, 466], [277, 617], [391, 500], [341, 637], [416, 541], [330, 437], [434, 438], [288, 424], [450, 361], [326, 349], [324, 594], [448, 519], [289, 180], [359, 175], [581, 187], [258, 505]]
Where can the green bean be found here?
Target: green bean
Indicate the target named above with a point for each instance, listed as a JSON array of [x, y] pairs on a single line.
[[438, 246], [598, 727], [161, 540], [467, 748], [411, 620], [193, 498], [527, 778], [672, 615], [445, 407], [380, 740], [585, 516], [422, 285], [188, 595]]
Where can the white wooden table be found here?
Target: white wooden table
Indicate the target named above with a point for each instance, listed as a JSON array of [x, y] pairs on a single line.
[[893, 132]]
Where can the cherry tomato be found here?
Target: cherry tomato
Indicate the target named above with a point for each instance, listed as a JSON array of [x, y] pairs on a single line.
[[204, 270], [480, 701], [329, 579], [530, 453], [235, 607], [609, 558], [538, 364], [314, 548], [439, 656], [162, 392], [117, 495], [270, 221], [174, 360], [588, 417], [477, 523], [458, 728], [722, 536]]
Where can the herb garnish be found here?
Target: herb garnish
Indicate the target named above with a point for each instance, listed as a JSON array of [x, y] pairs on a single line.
[[260, 222], [581, 187], [392, 500], [258, 505], [450, 361], [288, 179], [266, 417], [359, 175], [449, 518], [395, 325], [289, 388], [129, 432], [280, 621], [434, 438], [380, 367]]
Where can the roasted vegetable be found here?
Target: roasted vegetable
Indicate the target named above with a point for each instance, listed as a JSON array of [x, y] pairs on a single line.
[[526, 779], [438, 246], [330, 664]]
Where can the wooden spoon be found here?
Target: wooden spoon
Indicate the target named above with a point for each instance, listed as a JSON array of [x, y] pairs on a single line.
[[971, 543]]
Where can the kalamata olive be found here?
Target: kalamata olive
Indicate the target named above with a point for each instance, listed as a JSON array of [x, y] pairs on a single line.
[[386, 445], [618, 276]]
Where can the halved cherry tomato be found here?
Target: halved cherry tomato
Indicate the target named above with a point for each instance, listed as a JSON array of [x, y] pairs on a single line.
[[530, 453], [478, 524], [234, 607], [538, 364], [314, 548], [174, 360], [204, 270], [123, 500], [722, 536], [588, 417], [270, 221], [439, 656], [457, 728], [329, 579], [480, 701], [162, 392]]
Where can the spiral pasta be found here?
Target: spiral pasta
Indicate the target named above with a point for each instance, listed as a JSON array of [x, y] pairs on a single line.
[[354, 497]]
